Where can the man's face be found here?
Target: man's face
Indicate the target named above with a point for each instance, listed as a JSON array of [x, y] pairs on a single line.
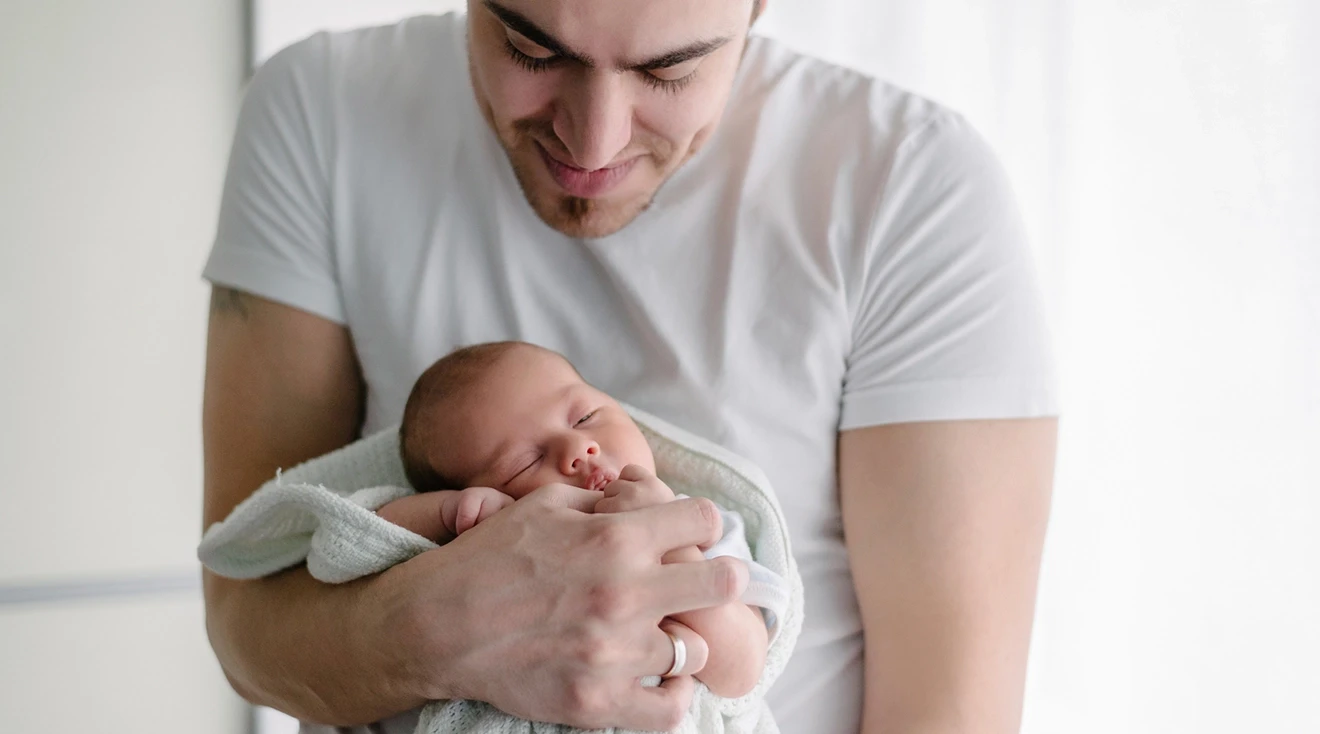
[[598, 102]]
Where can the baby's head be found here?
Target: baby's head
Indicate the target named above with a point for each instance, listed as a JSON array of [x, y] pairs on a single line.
[[514, 416]]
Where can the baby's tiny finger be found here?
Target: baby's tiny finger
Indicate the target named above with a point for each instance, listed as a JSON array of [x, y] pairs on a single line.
[[469, 513]]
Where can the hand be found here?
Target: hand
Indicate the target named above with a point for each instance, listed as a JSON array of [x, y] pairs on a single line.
[[634, 489], [463, 510], [552, 613]]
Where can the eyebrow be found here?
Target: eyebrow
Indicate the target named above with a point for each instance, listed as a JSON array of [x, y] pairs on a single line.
[[520, 24]]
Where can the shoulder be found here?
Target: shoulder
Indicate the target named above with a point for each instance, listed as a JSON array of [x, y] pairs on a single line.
[[356, 67], [822, 108], [843, 141]]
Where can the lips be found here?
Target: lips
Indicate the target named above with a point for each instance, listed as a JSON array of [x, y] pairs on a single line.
[[582, 183]]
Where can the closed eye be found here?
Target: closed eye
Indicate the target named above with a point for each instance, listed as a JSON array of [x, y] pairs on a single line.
[[672, 78], [524, 470], [535, 58], [586, 417], [527, 53]]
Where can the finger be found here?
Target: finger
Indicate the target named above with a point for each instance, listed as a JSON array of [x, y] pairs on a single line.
[[657, 708], [682, 587], [566, 496], [624, 498], [469, 511], [634, 473], [615, 487], [490, 506], [679, 524], [695, 649], [608, 505]]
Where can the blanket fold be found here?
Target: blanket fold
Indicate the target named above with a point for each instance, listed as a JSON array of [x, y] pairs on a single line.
[[322, 512]]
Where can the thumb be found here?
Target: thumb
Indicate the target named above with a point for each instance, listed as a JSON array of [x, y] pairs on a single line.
[[634, 473]]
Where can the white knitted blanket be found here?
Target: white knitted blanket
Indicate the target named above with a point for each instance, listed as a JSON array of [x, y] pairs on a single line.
[[323, 512]]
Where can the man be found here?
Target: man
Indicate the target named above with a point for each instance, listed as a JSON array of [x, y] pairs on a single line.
[[816, 270]]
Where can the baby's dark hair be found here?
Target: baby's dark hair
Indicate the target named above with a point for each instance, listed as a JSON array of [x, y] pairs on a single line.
[[447, 377], [440, 383]]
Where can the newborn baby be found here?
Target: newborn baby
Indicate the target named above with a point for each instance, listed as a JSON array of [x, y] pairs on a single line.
[[488, 424]]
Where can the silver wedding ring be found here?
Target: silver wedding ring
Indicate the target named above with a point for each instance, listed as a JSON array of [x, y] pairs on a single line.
[[680, 655]]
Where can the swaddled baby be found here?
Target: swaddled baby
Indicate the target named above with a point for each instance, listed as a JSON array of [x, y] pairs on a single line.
[[488, 424]]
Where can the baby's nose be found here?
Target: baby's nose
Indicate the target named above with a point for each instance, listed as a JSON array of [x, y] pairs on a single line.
[[583, 456]]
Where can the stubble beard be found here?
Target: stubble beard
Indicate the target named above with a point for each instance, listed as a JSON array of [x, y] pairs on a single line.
[[572, 215]]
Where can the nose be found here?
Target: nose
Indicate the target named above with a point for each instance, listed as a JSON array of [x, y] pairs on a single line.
[[579, 450], [594, 118]]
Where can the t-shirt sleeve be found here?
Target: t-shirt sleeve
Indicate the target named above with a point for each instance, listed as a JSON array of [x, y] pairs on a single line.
[[274, 238], [949, 323]]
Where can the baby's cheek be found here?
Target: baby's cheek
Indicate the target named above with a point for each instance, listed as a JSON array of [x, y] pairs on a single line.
[[641, 454]]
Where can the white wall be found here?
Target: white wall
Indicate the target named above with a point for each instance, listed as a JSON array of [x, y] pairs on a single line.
[[115, 120]]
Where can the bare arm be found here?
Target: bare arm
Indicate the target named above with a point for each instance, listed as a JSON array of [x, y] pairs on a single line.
[[944, 524], [422, 514], [542, 593], [282, 386]]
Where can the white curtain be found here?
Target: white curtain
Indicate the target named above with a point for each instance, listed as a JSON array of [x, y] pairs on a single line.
[[1167, 157]]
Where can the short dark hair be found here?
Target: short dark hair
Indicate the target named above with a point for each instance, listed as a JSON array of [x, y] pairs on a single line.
[[444, 379]]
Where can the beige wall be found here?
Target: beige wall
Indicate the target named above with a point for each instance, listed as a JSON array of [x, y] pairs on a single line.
[[115, 119]]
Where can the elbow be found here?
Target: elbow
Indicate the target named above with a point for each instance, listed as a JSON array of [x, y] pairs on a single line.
[[217, 593], [734, 686], [738, 677]]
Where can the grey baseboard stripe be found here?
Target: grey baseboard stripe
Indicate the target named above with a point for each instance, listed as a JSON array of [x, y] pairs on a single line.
[[173, 583]]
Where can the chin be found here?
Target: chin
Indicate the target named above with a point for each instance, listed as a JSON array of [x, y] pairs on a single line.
[[587, 218], [574, 216]]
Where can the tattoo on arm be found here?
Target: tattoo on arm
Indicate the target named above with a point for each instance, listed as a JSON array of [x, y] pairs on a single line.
[[229, 301]]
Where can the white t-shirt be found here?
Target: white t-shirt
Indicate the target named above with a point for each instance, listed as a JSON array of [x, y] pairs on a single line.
[[840, 254]]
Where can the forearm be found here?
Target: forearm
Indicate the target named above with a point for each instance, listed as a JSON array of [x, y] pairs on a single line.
[[300, 646], [422, 514], [736, 636]]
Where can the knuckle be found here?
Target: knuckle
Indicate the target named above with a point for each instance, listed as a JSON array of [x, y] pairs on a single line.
[[585, 703], [710, 516], [613, 539], [728, 576], [610, 601], [594, 651]]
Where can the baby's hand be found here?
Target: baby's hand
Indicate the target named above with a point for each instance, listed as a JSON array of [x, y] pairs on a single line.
[[634, 489], [463, 510]]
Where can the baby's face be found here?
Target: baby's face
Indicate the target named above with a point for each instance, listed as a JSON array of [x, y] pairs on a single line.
[[531, 421]]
